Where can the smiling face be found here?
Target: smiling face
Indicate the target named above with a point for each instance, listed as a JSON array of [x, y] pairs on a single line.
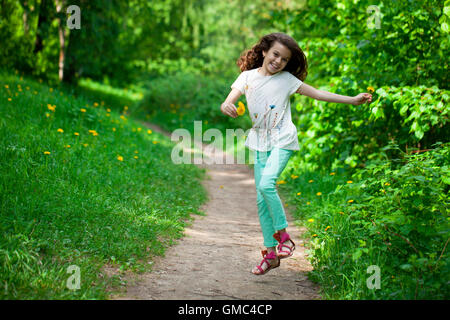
[[275, 59]]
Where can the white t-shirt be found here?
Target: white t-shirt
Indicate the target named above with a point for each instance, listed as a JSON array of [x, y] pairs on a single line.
[[270, 109]]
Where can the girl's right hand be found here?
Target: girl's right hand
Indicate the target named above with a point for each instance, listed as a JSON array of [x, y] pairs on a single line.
[[229, 109]]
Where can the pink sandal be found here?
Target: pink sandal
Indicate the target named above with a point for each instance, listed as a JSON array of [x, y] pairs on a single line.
[[284, 251], [266, 256]]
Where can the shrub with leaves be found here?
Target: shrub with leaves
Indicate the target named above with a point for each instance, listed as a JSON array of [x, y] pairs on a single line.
[[397, 219]]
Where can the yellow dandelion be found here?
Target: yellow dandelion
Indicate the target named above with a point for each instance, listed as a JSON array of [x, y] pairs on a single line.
[[139, 129], [328, 227], [341, 212], [51, 108], [68, 146], [46, 152], [136, 151], [125, 108], [370, 89], [281, 182], [299, 193], [155, 142], [332, 173], [83, 110], [349, 181], [241, 108], [108, 110], [319, 193], [123, 118], [120, 158], [149, 131], [308, 203], [85, 144], [310, 220], [47, 114], [51, 89], [310, 181], [6, 86], [76, 133], [9, 99], [60, 130], [293, 176], [95, 104], [114, 129], [350, 201], [387, 184], [314, 235], [136, 157]]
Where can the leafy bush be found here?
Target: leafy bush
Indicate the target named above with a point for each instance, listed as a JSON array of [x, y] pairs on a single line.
[[336, 135], [394, 216]]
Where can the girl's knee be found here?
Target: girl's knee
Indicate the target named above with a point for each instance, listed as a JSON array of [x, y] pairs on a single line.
[[266, 186]]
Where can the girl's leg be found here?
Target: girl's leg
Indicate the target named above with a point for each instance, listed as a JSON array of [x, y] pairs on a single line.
[[268, 167], [265, 217]]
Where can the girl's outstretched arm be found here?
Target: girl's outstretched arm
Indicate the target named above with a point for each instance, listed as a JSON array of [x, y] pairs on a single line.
[[228, 108], [321, 95]]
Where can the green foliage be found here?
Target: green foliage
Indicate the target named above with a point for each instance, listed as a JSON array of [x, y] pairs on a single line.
[[341, 38], [108, 195], [336, 135], [392, 215]]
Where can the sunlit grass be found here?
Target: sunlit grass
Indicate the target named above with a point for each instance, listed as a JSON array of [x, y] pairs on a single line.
[[82, 184]]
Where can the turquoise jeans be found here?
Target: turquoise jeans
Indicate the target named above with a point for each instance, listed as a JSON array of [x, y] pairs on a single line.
[[268, 167]]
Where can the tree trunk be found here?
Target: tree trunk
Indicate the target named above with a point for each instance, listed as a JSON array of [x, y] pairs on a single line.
[[62, 38], [25, 17]]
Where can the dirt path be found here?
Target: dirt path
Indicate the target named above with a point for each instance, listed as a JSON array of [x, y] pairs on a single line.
[[214, 259]]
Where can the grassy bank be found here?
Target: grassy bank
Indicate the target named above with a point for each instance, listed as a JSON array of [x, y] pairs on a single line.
[[83, 184]]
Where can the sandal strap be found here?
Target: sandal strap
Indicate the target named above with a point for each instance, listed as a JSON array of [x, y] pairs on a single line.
[[280, 248], [266, 256], [270, 255]]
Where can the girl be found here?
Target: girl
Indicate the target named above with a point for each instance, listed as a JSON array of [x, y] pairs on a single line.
[[272, 71]]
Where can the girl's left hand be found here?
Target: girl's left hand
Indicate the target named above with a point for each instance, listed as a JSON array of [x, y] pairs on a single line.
[[362, 98]]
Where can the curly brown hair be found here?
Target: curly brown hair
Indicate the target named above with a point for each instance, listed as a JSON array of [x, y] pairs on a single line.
[[253, 58]]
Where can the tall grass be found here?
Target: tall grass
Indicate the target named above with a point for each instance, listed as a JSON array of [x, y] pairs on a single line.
[[83, 184]]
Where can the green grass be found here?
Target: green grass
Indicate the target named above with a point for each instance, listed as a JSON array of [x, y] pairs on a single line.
[[113, 197]]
